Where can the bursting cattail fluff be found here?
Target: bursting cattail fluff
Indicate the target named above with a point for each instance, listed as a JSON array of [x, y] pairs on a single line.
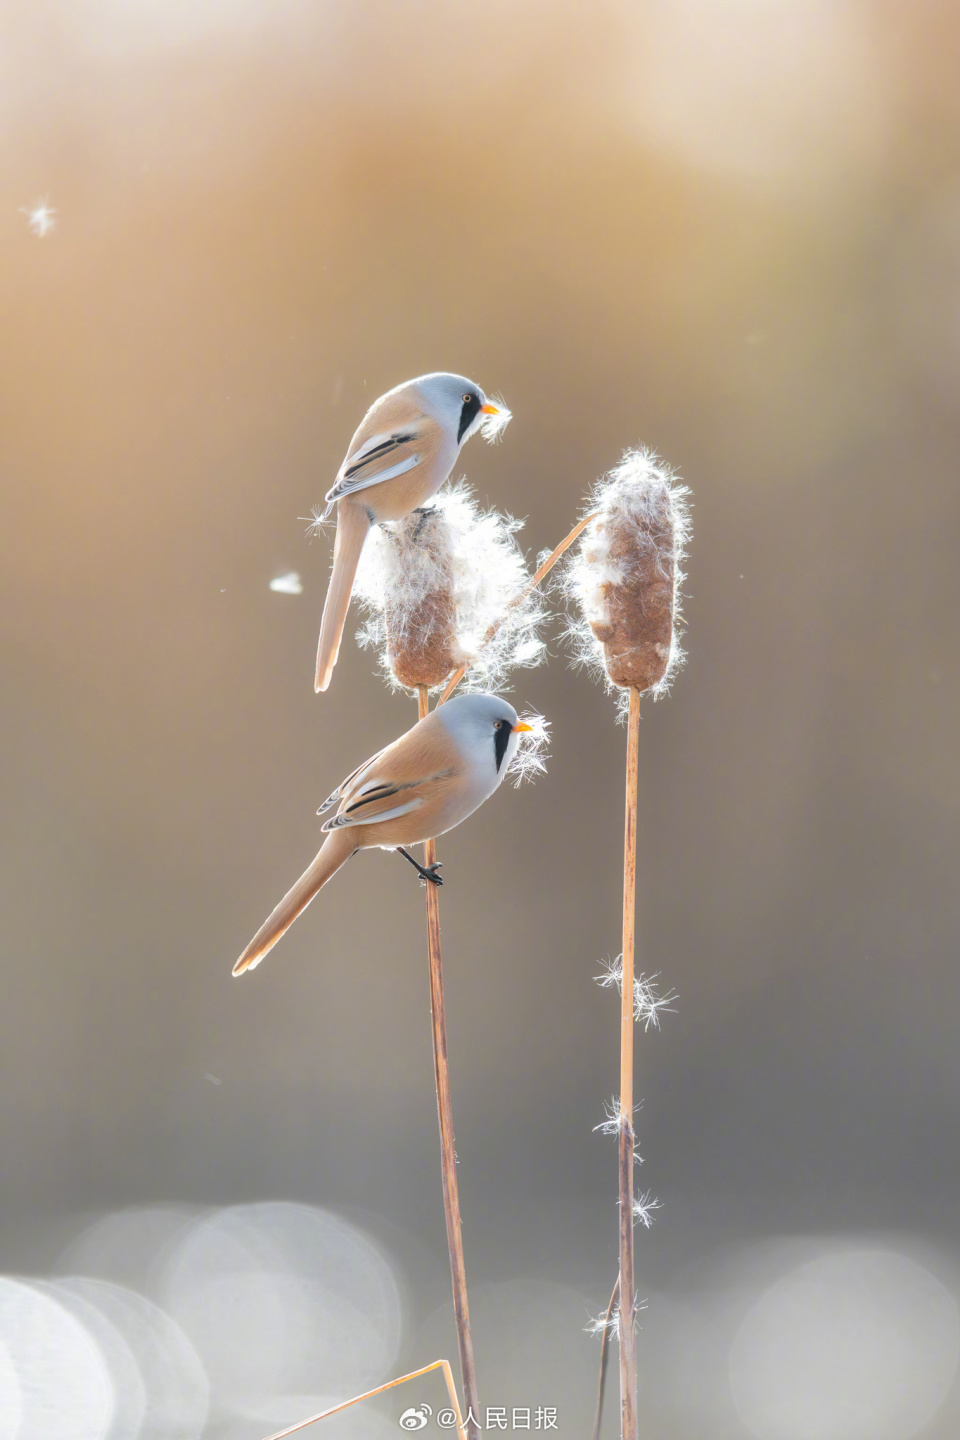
[[626, 575], [436, 585]]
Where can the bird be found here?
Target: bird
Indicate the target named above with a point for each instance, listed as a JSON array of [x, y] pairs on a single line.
[[403, 451], [415, 789]]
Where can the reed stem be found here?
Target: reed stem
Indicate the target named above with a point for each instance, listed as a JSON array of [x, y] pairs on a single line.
[[628, 1307], [448, 1159], [521, 595], [367, 1394], [604, 1347]]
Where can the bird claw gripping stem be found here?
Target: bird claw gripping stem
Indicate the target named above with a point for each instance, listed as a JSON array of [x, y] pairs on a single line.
[[428, 873]]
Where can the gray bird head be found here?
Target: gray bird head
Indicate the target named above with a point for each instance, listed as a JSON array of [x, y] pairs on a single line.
[[485, 727], [460, 405]]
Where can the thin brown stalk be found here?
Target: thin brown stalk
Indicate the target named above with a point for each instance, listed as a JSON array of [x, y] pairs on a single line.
[[448, 1159], [544, 570], [628, 1307], [443, 1365], [604, 1348]]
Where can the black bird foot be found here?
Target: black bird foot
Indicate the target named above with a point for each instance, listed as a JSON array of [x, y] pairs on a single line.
[[424, 511], [430, 873]]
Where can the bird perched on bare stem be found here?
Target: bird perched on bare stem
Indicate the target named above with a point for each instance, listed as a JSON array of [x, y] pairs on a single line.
[[403, 451], [419, 787]]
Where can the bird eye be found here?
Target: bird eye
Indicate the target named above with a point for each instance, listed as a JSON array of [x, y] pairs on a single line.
[[498, 724], [466, 399]]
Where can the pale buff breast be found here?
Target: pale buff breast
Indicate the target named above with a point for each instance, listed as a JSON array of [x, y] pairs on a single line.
[[440, 812]]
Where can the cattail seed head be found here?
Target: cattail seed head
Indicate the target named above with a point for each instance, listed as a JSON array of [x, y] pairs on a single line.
[[626, 574], [419, 607], [435, 584]]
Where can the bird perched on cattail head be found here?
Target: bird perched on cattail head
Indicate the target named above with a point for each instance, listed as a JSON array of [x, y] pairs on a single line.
[[626, 574], [403, 451]]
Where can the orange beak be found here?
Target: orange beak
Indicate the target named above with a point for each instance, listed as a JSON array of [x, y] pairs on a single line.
[[489, 409], [520, 726]]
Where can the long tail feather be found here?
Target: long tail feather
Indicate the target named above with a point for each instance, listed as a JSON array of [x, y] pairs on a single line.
[[353, 523], [334, 852]]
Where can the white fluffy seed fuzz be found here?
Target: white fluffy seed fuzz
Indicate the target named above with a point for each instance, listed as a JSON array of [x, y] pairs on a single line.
[[531, 756], [625, 575], [435, 584], [648, 1002]]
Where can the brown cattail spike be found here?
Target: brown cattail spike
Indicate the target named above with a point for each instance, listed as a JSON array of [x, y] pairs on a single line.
[[627, 573], [447, 588], [637, 634], [421, 636]]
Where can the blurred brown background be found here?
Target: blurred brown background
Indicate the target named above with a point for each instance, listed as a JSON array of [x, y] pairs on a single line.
[[730, 231]]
